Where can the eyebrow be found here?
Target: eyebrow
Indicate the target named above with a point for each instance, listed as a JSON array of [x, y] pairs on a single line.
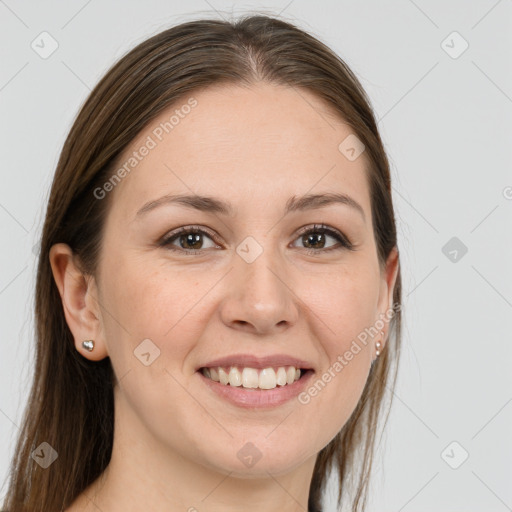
[[214, 205]]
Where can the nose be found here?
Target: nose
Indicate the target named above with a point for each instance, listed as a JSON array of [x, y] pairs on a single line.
[[260, 297]]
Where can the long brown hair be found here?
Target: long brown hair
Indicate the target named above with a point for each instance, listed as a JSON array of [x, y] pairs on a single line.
[[71, 405]]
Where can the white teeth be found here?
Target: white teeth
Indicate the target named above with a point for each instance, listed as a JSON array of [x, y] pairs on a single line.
[[267, 378], [251, 378], [281, 376], [214, 374], [223, 377], [235, 377]]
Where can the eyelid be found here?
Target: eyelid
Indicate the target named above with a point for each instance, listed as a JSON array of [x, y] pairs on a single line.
[[165, 240], [326, 229], [319, 227]]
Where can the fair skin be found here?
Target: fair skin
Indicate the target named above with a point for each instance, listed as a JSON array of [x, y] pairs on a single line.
[[176, 442]]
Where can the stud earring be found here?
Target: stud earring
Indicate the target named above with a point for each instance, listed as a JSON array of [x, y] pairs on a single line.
[[378, 345], [88, 345]]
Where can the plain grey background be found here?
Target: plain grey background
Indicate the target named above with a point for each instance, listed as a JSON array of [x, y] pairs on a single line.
[[439, 77]]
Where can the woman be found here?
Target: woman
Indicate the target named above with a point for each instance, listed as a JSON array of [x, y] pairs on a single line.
[[218, 294]]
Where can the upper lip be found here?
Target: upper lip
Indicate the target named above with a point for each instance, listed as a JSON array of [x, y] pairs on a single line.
[[251, 361]]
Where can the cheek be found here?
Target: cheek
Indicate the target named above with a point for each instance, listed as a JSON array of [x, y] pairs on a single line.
[[345, 304], [147, 301], [151, 303]]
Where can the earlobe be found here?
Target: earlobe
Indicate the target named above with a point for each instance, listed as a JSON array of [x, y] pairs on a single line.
[[80, 308]]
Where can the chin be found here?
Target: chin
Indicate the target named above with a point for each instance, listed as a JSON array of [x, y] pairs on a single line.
[[247, 459]]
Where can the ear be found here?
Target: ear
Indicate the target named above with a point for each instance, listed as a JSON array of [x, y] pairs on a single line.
[[78, 293], [387, 288]]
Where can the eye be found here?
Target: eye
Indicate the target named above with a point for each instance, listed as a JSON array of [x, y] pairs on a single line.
[[315, 237], [189, 239]]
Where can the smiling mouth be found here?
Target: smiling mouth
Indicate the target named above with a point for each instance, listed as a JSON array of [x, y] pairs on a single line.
[[252, 378]]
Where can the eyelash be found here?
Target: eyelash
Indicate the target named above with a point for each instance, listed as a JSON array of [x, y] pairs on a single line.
[[316, 228]]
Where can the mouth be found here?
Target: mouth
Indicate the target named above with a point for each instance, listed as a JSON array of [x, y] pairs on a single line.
[[253, 388], [250, 378]]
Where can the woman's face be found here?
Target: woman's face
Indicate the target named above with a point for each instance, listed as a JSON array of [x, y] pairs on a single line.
[[246, 285]]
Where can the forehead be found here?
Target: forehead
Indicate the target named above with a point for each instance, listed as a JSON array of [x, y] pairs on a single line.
[[260, 142]]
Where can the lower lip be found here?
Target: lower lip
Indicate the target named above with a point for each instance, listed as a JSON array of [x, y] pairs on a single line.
[[258, 398]]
